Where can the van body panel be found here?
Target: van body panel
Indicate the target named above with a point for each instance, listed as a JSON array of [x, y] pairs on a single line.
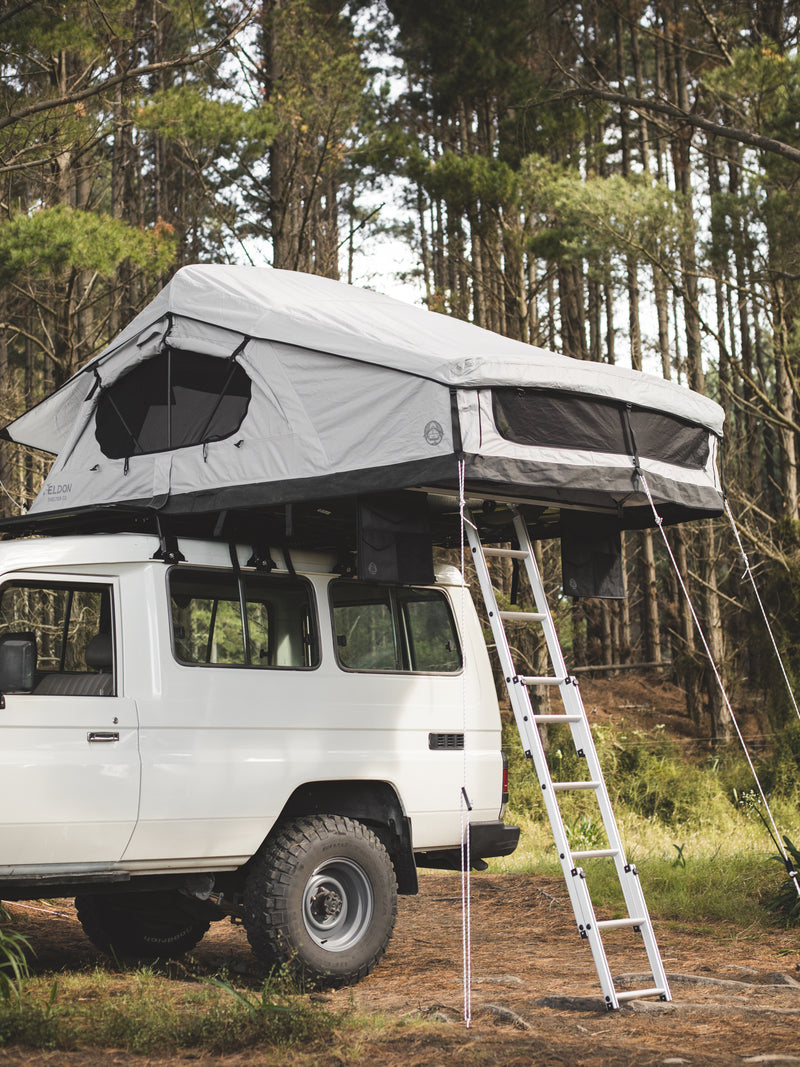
[[204, 757]]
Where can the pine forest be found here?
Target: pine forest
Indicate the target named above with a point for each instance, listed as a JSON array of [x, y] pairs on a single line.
[[616, 180]]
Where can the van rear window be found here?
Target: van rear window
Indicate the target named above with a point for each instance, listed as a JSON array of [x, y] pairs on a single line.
[[250, 621], [393, 628]]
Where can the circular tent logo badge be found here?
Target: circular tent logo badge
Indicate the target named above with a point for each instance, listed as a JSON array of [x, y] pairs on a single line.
[[434, 434]]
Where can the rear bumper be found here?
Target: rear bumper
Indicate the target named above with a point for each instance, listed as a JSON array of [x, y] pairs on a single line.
[[492, 839], [486, 839]]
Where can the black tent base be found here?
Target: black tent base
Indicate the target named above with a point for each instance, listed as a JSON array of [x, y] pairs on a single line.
[[332, 524], [382, 537]]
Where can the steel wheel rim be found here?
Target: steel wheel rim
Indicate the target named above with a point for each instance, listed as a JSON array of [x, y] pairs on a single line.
[[338, 904]]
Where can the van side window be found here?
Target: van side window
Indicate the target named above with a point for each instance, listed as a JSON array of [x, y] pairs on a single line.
[[393, 628], [72, 626], [251, 621]]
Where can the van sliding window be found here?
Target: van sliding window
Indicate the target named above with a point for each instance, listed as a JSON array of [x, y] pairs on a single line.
[[393, 628], [257, 621]]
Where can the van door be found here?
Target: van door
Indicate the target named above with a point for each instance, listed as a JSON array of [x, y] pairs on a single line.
[[69, 760]]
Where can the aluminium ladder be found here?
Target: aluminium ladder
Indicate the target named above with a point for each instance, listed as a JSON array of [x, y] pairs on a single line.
[[574, 716]]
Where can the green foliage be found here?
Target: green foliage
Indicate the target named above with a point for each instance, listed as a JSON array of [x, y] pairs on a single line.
[[644, 772], [13, 959], [585, 832], [593, 218], [787, 902], [780, 771], [759, 86], [51, 29], [186, 113], [58, 238], [318, 92], [465, 182], [706, 854], [708, 886], [146, 1012], [780, 591]]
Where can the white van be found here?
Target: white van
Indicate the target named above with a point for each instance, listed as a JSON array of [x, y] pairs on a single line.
[[204, 731]]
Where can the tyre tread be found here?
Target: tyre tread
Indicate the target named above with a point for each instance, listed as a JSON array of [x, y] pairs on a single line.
[[270, 882]]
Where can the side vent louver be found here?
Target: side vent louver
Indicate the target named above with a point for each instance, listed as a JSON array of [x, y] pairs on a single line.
[[446, 742]]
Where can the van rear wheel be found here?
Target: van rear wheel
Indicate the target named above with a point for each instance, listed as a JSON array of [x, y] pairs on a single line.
[[138, 926], [321, 898]]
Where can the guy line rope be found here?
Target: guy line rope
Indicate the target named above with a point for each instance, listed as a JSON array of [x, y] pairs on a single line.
[[793, 874]]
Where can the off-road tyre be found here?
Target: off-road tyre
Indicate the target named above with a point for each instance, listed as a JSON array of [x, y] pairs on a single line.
[[321, 899], [139, 926]]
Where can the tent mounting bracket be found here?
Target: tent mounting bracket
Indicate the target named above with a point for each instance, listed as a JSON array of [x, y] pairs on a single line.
[[261, 559], [168, 549]]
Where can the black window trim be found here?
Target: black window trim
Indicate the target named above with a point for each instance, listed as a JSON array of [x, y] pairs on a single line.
[[401, 672], [241, 584], [83, 583]]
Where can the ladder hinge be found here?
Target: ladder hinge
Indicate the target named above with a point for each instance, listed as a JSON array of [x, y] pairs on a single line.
[[630, 868], [581, 753]]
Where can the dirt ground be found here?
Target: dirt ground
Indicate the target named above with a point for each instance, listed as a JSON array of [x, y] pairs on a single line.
[[535, 994]]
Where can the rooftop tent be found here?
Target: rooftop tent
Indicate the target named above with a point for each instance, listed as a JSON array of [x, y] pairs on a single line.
[[241, 389]]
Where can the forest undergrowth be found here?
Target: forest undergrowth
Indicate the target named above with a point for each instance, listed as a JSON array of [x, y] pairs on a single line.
[[691, 820]]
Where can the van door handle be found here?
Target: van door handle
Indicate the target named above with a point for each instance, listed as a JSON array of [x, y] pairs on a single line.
[[102, 735]]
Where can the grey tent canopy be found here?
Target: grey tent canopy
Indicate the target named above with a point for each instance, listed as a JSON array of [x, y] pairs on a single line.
[[239, 389]]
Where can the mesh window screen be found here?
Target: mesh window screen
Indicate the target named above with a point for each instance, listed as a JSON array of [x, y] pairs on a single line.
[[172, 401]]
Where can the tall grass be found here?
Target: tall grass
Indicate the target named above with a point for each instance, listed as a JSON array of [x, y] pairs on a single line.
[[14, 948], [702, 853], [147, 1011]]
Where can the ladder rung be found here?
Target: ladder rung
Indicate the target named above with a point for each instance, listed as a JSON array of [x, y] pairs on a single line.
[[538, 680], [506, 553], [558, 718], [616, 924], [523, 616], [634, 994], [594, 853], [561, 787]]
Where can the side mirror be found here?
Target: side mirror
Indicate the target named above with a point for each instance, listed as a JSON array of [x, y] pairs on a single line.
[[17, 664]]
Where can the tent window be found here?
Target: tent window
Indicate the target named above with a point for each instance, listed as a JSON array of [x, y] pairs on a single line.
[[172, 401], [564, 420]]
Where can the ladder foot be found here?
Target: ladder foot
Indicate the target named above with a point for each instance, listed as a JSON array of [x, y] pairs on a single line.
[[637, 994]]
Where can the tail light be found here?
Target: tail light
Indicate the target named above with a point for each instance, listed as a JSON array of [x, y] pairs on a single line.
[[504, 794]]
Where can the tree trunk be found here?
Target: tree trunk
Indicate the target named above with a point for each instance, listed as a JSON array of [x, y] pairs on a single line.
[[721, 726]]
